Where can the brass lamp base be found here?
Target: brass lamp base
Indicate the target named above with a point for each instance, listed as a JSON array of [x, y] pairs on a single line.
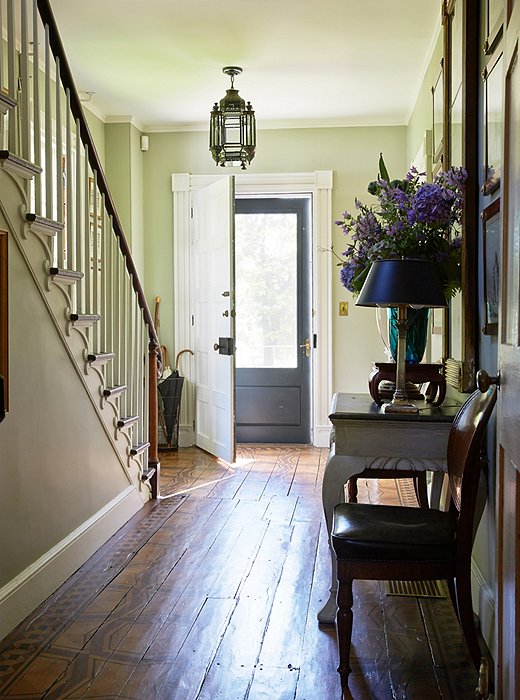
[[399, 408]]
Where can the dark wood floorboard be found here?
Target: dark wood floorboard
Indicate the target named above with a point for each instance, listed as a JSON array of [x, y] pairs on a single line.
[[212, 593]]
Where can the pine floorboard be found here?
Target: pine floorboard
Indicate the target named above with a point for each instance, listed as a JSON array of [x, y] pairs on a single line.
[[212, 593]]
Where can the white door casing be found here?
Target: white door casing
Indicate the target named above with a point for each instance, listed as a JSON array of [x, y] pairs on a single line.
[[319, 186]]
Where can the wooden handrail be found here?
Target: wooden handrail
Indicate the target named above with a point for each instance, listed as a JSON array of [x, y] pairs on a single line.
[[94, 161], [154, 356]]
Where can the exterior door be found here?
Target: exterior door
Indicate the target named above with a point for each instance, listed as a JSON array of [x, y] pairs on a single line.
[[273, 319], [508, 419], [213, 317]]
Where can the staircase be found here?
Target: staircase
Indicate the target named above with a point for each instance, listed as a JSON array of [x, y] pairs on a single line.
[[57, 208], [79, 355]]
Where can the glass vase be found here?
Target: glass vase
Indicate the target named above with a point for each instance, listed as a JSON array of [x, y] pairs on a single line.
[[416, 336]]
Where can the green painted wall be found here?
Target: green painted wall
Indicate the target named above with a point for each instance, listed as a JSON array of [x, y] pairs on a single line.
[[352, 154], [124, 171], [97, 130]]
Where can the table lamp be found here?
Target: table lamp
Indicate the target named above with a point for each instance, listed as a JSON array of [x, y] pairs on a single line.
[[402, 283]]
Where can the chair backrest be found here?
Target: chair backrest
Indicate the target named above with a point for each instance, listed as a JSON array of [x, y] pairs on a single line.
[[464, 452]]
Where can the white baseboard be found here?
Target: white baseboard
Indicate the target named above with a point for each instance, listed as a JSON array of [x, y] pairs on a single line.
[[37, 582], [321, 437], [186, 436], [484, 605]]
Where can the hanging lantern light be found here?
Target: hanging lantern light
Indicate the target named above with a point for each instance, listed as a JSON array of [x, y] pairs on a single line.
[[232, 128]]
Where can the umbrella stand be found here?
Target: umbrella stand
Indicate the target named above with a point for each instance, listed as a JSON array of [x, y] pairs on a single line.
[[170, 393]]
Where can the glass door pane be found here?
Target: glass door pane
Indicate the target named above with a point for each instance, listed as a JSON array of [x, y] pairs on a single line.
[[266, 290]]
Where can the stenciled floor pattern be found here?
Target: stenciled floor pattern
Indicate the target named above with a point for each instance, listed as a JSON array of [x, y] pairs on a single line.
[[212, 593]]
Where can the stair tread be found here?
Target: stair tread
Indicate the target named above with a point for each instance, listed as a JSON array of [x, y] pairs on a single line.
[[84, 318], [44, 222], [147, 474], [19, 165], [114, 390], [7, 102], [60, 272], [125, 421], [141, 447], [101, 358]]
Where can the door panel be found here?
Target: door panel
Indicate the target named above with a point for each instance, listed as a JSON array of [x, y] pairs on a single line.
[[265, 405], [213, 317], [273, 323], [508, 421]]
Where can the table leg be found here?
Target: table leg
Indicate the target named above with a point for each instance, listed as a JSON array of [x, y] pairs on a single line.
[[337, 472]]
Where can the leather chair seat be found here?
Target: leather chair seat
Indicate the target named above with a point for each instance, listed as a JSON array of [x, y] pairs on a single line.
[[371, 532]]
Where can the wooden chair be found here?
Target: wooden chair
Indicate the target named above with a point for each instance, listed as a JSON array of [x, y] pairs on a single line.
[[378, 542]]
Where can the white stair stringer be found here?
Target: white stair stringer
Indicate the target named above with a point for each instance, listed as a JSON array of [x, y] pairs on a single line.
[[56, 297]]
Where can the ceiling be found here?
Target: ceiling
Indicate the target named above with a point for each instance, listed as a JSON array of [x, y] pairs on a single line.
[[305, 62]]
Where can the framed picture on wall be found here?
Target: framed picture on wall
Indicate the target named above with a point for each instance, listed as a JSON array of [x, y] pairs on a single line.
[[438, 120], [494, 10], [493, 93], [94, 203], [4, 321], [491, 250]]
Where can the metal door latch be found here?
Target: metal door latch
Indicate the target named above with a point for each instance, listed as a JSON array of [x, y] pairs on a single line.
[[225, 346], [307, 346]]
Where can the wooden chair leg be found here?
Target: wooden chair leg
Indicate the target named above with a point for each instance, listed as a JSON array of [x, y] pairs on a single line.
[[344, 619], [421, 489], [466, 617], [352, 490], [453, 595]]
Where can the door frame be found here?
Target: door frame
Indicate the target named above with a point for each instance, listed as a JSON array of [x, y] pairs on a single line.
[[284, 392], [318, 184]]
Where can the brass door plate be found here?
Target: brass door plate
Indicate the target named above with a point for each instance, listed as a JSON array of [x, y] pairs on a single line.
[[343, 308]]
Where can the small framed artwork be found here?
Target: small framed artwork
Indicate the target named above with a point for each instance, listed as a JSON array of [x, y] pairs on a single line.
[[491, 250], [494, 10], [97, 244], [94, 204], [4, 321], [438, 118], [493, 93], [455, 10]]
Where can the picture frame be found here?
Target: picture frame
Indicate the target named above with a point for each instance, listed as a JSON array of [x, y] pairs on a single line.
[[95, 210], [493, 125], [4, 318], [438, 119], [462, 51], [99, 243], [494, 24], [491, 254], [94, 205]]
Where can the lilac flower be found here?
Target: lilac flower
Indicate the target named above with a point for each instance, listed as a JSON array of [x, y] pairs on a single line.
[[348, 272], [433, 205], [412, 218]]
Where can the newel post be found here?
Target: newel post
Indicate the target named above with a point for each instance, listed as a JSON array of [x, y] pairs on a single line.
[[154, 465]]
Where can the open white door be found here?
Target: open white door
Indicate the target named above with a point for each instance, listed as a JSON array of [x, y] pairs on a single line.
[[213, 304], [507, 676]]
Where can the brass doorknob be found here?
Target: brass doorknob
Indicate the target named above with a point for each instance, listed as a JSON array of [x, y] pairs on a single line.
[[307, 346], [484, 381]]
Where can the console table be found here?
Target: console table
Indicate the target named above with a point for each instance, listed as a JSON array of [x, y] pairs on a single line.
[[365, 438]]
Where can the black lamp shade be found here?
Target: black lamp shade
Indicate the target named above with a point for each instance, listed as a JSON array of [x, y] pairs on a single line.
[[402, 283]]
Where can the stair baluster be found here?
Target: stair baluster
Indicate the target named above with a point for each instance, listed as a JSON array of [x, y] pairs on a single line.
[[72, 211]]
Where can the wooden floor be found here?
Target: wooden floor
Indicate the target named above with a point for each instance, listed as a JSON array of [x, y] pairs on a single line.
[[212, 593]]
